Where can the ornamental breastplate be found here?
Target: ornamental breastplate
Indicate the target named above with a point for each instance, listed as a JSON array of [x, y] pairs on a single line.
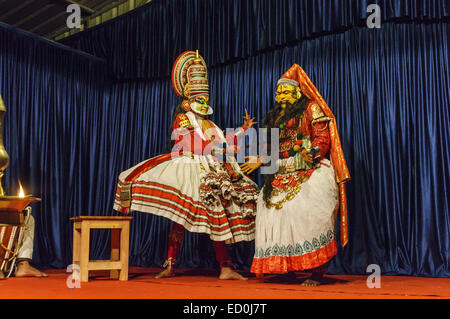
[[209, 130]]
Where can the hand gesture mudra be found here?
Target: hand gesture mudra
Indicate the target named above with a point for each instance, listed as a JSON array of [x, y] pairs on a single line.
[[248, 122]]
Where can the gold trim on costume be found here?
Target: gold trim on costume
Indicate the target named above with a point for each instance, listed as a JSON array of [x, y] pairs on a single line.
[[206, 126], [322, 119], [184, 121], [125, 195], [316, 111], [290, 190], [289, 196]]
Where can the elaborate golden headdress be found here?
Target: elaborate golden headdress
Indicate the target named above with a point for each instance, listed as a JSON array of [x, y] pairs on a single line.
[[190, 78]]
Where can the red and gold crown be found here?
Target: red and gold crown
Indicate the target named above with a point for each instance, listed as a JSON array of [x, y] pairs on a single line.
[[190, 76]]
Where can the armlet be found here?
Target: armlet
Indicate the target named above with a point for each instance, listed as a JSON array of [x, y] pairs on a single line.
[[319, 117], [325, 120], [183, 121], [316, 112]]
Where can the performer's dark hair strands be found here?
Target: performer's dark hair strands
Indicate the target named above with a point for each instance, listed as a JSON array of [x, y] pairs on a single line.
[[295, 110]]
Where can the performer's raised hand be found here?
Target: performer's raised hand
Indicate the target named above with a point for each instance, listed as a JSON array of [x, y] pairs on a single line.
[[254, 162], [248, 122]]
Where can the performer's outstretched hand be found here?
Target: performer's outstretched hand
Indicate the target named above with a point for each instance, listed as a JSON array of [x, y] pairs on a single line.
[[249, 166], [248, 122]]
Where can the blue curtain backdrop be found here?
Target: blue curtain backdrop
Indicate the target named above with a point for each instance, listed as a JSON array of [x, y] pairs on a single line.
[[388, 88]]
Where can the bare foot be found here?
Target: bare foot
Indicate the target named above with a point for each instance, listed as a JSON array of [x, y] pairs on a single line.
[[226, 273], [166, 273], [314, 281], [310, 283], [24, 269], [2, 276]]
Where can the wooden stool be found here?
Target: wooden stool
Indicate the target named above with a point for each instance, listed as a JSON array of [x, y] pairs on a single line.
[[120, 229]]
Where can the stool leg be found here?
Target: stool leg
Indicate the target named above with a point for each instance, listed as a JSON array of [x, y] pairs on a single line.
[[84, 253], [115, 233], [76, 243], [124, 250]]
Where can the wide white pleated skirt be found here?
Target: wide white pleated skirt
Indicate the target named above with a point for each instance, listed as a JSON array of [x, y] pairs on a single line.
[[172, 189], [300, 235]]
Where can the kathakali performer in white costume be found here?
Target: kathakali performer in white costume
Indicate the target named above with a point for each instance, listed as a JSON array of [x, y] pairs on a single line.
[[191, 185], [298, 206]]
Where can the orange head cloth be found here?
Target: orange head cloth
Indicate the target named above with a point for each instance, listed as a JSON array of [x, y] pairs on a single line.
[[342, 174]]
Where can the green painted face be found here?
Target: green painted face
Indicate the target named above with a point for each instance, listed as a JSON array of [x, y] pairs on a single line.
[[200, 105]]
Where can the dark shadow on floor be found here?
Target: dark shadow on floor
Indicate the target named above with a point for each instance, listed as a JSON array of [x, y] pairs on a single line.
[[287, 279], [298, 278]]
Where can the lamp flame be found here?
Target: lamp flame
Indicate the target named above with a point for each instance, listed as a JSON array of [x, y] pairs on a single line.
[[21, 191]]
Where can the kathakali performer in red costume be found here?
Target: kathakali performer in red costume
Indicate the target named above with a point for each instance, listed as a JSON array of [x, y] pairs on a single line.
[[298, 205], [192, 186]]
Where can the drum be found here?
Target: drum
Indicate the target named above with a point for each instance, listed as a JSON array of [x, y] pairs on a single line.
[[11, 237]]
